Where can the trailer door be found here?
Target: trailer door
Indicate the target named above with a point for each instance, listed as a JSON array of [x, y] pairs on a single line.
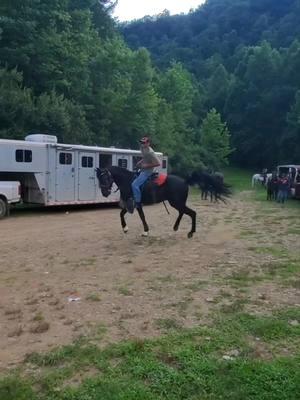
[[65, 176], [86, 177]]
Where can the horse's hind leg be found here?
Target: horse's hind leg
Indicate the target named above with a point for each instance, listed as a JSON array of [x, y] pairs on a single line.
[[192, 214], [145, 225], [123, 222], [176, 225]]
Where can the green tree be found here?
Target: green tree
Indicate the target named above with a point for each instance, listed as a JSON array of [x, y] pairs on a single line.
[[217, 88], [290, 144], [214, 141], [16, 105], [21, 112], [177, 88]]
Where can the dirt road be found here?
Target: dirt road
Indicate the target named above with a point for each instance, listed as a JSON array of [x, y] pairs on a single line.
[[67, 275]]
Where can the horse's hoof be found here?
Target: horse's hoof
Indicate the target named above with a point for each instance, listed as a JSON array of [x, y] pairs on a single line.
[[190, 235], [125, 229], [145, 234], [175, 228]]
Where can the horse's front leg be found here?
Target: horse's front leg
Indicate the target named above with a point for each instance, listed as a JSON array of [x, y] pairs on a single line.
[[123, 222], [145, 225]]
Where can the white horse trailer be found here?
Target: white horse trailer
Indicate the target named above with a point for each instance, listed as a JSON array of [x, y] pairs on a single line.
[[52, 173]]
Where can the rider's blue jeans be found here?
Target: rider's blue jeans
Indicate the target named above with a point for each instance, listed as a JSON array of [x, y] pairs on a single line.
[[137, 183]]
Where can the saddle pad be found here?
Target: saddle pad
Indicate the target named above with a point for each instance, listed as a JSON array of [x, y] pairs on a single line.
[[161, 179]]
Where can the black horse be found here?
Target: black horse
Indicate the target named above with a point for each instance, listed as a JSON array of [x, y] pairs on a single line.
[[174, 189], [212, 184]]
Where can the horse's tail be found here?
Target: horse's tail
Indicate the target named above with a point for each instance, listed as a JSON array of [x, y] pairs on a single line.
[[222, 189]]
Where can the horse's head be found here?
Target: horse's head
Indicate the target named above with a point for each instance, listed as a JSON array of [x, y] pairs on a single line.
[[105, 181]]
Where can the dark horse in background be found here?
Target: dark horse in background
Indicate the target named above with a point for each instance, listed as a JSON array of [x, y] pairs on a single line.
[[212, 184], [174, 189]]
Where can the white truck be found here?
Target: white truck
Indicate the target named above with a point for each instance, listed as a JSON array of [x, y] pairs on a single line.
[[10, 193]]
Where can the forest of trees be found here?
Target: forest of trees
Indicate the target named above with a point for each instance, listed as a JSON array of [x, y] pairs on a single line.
[[245, 57], [221, 82]]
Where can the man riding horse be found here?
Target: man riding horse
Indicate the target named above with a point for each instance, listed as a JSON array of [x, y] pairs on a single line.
[[171, 188], [148, 162]]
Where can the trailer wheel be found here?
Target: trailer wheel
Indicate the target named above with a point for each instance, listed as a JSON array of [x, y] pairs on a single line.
[[3, 208]]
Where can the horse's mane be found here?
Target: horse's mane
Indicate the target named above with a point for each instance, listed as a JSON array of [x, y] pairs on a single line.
[[121, 172], [123, 179]]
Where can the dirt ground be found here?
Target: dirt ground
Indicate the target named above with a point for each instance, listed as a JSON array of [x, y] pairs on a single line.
[[64, 275]]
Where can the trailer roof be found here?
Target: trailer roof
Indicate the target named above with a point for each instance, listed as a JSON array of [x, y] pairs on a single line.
[[72, 147], [288, 166]]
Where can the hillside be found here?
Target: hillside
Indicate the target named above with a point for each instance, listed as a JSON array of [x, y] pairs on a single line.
[[245, 56]]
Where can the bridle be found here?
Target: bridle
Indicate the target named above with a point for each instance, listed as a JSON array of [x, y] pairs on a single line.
[[108, 186]]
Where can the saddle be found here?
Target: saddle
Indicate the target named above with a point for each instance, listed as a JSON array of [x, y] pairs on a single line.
[[157, 178]]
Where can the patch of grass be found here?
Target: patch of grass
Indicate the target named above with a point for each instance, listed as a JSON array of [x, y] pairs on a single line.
[[125, 291], [247, 233], [225, 294], [166, 278], [238, 178], [243, 278], [183, 305], [99, 331], [282, 270], [277, 252], [295, 283], [196, 286], [293, 231], [234, 307], [38, 317], [186, 364], [270, 328], [93, 297], [16, 388], [159, 283], [168, 324]]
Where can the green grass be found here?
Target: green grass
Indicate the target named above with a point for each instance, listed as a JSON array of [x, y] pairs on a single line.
[[239, 179], [125, 291], [284, 270], [93, 297], [188, 364]]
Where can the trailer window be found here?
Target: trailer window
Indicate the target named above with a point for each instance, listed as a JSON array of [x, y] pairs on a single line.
[[122, 162], [24, 156], [87, 162], [164, 164], [65, 158], [105, 160]]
